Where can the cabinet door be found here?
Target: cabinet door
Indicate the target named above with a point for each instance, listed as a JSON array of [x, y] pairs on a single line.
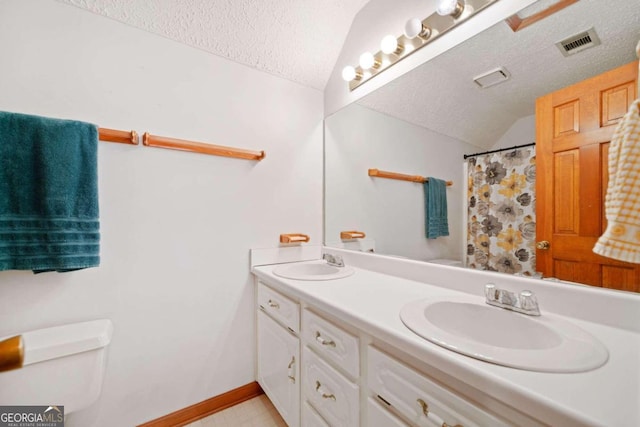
[[279, 368]]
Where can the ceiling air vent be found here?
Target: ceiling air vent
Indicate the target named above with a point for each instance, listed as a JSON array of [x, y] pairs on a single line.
[[578, 42], [492, 78]]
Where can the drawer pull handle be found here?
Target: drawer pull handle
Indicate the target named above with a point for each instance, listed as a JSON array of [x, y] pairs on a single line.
[[291, 369], [424, 406], [322, 392], [273, 304], [436, 419], [323, 341]]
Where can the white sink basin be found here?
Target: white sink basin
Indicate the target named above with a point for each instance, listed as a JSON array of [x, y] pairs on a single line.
[[313, 270], [469, 326]]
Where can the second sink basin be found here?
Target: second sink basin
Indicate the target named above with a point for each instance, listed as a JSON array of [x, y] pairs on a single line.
[[466, 325], [313, 270]]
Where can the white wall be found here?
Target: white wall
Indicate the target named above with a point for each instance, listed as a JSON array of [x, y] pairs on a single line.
[[521, 132], [390, 212], [176, 227]]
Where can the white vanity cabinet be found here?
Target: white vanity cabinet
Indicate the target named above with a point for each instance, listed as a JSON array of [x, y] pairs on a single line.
[[279, 356], [311, 370]]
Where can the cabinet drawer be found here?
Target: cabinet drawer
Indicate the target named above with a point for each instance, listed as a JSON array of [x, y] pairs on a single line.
[[334, 397], [331, 342], [420, 399], [279, 307], [379, 417], [310, 418]]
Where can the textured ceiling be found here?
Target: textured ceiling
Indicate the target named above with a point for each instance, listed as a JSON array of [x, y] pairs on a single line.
[[295, 39], [441, 95]]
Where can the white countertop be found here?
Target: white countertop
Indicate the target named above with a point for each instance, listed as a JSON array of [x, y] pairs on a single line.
[[371, 302]]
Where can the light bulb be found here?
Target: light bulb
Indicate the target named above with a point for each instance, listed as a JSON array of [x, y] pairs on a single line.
[[450, 7], [414, 28], [389, 44], [367, 61], [349, 73]]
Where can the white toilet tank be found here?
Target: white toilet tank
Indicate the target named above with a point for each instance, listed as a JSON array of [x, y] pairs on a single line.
[[63, 365]]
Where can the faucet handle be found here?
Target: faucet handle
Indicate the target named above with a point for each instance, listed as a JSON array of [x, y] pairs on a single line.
[[490, 292], [529, 302]]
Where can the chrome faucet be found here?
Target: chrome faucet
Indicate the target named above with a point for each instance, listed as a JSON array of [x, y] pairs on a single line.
[[525, 302], [334, 260]]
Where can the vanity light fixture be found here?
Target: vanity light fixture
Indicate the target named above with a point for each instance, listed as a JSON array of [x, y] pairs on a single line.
[[417, 34], [452, 8]]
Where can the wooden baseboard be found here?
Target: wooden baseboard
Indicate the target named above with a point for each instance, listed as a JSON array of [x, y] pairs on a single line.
[[207, 407]]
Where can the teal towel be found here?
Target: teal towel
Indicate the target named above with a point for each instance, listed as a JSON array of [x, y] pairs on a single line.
[[435, 197], [48, 194]]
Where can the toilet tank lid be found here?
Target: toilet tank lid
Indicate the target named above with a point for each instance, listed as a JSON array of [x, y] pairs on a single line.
[[65, 340]]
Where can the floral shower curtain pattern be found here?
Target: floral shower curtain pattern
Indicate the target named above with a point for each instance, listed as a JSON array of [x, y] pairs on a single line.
[[501, 199]]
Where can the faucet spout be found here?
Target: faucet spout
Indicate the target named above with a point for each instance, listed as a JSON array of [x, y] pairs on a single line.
[[334, 260], [525, 302]]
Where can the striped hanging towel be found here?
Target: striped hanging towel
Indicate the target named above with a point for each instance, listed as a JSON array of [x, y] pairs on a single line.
[[621, 239]]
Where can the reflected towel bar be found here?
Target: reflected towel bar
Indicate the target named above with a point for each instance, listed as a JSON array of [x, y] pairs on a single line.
[[516, 23], [351, 235], [401, 177], [199, 147], [120, 136]]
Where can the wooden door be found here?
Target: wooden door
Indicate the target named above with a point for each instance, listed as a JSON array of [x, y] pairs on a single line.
[[574, 126]]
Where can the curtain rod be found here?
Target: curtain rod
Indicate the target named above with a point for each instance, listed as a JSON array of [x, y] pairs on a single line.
[[466, 156]]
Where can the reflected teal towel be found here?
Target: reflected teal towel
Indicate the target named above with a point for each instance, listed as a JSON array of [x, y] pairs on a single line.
[[435, 197], [48, 194]]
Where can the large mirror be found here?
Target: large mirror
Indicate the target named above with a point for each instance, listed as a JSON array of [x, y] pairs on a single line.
[[425, 122]]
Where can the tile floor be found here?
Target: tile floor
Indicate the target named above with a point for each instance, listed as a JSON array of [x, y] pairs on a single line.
[[257, 412]]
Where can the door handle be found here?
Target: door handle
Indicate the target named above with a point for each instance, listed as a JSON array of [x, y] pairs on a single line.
[[543, 245]]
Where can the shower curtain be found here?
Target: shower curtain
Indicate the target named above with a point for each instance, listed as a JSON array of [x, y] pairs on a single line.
[[501, 228]]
